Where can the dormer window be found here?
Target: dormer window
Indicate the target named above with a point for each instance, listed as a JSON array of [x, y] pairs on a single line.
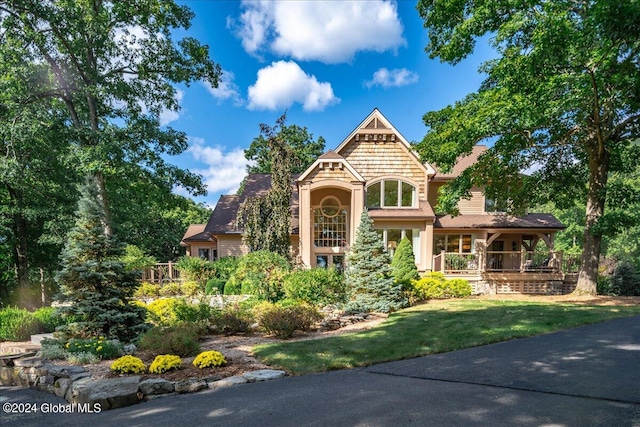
[[391, 193]]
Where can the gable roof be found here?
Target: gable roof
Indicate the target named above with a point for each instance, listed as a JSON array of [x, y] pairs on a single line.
[[372, 124], [196, 233], [331, 158], [462, 163], [223, 218]]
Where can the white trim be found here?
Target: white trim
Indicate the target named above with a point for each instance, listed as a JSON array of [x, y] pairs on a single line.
[[376, 114], [342, 162]]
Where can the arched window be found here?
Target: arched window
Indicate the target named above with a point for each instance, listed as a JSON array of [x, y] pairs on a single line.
[[330, 224], [391, 193]]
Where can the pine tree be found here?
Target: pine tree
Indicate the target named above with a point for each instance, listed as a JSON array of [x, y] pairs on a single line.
[[403, 264], [93, 279], [370, 284]]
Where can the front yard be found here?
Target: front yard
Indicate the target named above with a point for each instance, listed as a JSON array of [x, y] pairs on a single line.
[[442, 326]]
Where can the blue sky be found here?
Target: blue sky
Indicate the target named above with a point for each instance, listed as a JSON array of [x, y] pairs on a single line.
[[328, 64]]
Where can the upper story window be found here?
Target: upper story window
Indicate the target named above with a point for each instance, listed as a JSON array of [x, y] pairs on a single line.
[[391, 193]]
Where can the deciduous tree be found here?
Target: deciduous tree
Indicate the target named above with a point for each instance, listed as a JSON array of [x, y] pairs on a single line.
[[113, 66], [560, 102]]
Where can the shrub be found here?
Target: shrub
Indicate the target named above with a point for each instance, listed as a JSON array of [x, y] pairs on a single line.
[[261, 273], [283, 321], [215, 286], [403, 265], [50, 318], [624, 281], [232, 319], [232, 287], [195, 269], [53, 351], [191, 288], [435, 286], [129, 365], [315, 286], [201, 312], [170, 289], [165, 363], [209, 359], [180, 339], [161, 311], [99, 347], [17, 324], [147, 289], [82, 358]]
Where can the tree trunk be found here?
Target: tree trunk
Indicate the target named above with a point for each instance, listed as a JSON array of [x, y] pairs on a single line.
[[22, 263], [104, 201], [598, 174]]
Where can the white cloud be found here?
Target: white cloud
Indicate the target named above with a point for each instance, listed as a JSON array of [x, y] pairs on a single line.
[[392, 78], [225, 170], [326, 31], [284, 83], [226, 89]]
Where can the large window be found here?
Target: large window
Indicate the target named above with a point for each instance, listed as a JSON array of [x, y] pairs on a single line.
[[391, 193], [392, 236], [456, 243], [329, 224]]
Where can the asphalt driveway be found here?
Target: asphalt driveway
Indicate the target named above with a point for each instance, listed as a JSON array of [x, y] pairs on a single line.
[[579, 377]]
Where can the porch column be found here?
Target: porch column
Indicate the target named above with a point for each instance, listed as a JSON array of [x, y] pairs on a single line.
[[481, 250], [304, 227], [357, 206], [426, 247]]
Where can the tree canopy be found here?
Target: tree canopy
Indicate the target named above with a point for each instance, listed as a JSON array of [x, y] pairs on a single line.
[[304, 149], [561, 102], [82, 88], [113, 66], [266, 219]]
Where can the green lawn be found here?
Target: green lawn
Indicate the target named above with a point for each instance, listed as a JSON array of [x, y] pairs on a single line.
[[436, 327]]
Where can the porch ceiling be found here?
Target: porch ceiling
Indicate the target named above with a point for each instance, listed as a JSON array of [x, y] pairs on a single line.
[[534, 220]]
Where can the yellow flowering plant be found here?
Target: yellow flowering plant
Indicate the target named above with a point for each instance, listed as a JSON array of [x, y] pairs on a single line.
[[209, 359], [165, 363], [129, 365]]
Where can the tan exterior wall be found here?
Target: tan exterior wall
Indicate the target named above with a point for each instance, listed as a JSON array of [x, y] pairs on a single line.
[[473, 206], [373, 160], [329, 173], [231, 246]]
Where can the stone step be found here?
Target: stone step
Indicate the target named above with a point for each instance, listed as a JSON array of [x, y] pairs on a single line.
[[37, 339]]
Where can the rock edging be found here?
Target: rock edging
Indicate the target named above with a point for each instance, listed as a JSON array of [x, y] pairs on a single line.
[[75, 385]]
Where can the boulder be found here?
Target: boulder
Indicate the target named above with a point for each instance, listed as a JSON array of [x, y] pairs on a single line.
[[263, 375], [61, 386], [110, 393], [154, 386], [191, 385], [228, 382]]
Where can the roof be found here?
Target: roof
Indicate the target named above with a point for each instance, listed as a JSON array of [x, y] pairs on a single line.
[[424, 211], [462, 163], [223, 218], [533, 220], [196, 233]]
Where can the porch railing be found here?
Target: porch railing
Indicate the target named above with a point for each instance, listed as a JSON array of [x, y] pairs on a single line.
[[506, 261], [162, 272]]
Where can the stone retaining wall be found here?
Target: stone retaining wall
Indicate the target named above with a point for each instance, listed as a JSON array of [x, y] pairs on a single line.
[[74, 383]]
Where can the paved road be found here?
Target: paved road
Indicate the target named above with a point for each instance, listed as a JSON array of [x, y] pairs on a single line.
[[586, 376]]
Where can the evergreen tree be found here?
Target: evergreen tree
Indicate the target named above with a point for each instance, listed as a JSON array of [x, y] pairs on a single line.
[[93, 278], [403, 265], [368, 276]]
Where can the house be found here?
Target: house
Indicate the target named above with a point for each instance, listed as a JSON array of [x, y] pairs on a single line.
[[376, 168]]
